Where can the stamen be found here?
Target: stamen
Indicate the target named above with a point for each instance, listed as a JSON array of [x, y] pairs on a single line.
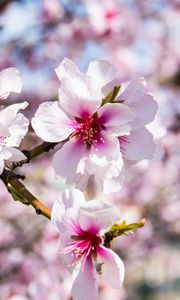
[[81, 247], [88, 129]]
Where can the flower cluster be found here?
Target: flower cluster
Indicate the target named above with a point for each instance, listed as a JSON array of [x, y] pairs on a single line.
[[100, 123], [13, 125]]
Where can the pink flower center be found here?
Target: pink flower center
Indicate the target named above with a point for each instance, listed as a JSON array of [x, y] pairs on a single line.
[[82, 246], [88, 129], [110, 14]]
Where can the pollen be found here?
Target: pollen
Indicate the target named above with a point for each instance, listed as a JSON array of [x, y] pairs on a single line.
[[89, 130]]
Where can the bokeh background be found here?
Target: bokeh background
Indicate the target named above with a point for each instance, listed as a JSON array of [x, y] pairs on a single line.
[[142, 38]]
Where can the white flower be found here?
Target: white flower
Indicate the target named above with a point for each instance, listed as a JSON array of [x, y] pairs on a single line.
[[10, 81], [92, 129], [13, 127], [101, 138], [81, 226]]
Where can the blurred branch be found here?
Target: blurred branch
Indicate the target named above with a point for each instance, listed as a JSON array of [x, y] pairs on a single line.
[[20, 193]]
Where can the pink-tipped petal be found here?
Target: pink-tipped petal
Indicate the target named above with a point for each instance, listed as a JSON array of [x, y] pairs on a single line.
[[106, 146], [85, 284], [79, 95], [66, 160], [112, 267], [114, 116], [96, 215], [70, 198]]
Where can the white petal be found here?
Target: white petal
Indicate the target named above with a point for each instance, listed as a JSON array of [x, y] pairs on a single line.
[[114, 116], [135, 96], [3, 131], [5, 154], [145, 108], [132, 91], [10, 81], [66, 160], [102, 71], [1, 166], [85, 284], [16, 155], [70, 198], [16, 123], [112, 268], [7, 114], [51, 124], [79, 95], [140, 145], [66, 67], [96, 215]]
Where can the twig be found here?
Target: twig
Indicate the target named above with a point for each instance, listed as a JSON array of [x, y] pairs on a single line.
[[15, 186]]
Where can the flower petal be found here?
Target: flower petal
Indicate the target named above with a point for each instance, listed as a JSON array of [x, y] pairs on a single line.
[[16, 155], [146, 109], [66, 160], [102, 71], [113, 116], [66, 67], [70, 198], [132, 91], [135, 96], [79, 95], [138, 145], [51, 123], [96, 215], [106, 146], [5, 154], [15, 122], [85, 284], [10, 81], [112, 268], [1, 166]]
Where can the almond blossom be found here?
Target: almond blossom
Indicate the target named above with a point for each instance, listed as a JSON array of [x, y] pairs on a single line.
[[102, 137], [92, 129], [10, 81], [13, 127], [81, 226]]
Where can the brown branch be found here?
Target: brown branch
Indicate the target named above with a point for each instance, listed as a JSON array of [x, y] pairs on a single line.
[[19, 192], [33, 153]]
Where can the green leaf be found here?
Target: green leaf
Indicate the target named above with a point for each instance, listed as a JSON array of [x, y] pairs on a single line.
[[17, 195], [110, 98], [120, 229]]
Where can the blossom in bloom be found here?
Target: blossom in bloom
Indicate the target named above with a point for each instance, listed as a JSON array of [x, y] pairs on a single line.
[[10, 81], [103, 138], [13, 127], [81, 225], [92, 129]]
